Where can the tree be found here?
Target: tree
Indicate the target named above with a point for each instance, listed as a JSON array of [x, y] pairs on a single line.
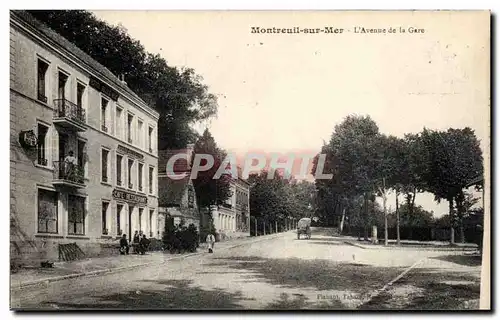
[[353, 158], [416, 217], [177, 94], [271, 200], [453, 158], [210, 191]]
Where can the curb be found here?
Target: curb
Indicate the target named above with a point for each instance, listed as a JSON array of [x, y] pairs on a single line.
[[119, 269], [425, 248]]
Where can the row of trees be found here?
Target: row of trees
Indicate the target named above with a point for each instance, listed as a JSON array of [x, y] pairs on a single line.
[[366, 164], [279, 201]]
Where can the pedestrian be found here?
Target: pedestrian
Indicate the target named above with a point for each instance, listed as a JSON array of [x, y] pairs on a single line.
[[70, 163], [135, 241], [211, 242], [143, 244], [124, 247]]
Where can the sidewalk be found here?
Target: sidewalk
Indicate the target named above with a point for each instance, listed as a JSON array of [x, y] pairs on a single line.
[[409, 244], [115, 263]]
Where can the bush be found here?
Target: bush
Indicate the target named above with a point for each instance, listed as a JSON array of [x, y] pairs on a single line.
[[179, 239]]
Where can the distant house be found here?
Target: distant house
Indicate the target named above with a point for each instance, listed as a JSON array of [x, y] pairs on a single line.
[[233, 217], [177, 197]]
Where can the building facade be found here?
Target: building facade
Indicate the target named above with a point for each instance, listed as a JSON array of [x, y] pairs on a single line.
[[83, 155], [233, 217]]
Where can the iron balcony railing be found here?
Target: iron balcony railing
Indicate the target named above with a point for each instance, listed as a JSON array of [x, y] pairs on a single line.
[[70, 172], [69, 110]]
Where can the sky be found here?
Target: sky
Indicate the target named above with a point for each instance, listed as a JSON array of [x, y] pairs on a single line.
[[285, 92]]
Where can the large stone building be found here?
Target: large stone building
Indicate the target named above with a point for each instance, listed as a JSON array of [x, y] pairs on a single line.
[[83, 154]]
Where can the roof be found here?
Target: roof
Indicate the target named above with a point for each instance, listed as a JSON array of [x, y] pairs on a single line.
[[171, 191], [78, 53]]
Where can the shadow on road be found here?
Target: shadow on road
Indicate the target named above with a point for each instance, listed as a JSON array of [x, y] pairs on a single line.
[[429, 289], [471, 261], [177, 294], [319, 274]]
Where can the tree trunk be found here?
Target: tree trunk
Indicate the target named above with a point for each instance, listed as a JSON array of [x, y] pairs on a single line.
[[386, 231], [462, 233], [264, 224], [397, 220], [276, 226], [342, 221], [256, 234], [452, 230], [365, 218]]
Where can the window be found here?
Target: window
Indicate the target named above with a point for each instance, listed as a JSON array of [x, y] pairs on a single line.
[[47, 211], [42, 148], [151, 178], [130, 165], [119, 159], [104, 214], [104, 165], [150, 139], [140, 169], [61, 88], [141, 211], [130, 119], [104, 113], [76, 215], [119, 209], [119, 123], [140, 134], [41, 81], [80, 90], [81, 156]]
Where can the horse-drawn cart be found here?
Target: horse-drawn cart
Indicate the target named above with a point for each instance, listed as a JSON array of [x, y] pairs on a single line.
[[304, 227]]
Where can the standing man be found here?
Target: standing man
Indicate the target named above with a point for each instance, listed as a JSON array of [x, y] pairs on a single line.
[[70, 162], [135, 241], [211, 242]]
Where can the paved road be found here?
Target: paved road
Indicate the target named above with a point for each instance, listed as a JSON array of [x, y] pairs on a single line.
[[282, 273]]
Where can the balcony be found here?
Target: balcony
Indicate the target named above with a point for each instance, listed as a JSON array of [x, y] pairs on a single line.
[[69, 115], [68, 174]]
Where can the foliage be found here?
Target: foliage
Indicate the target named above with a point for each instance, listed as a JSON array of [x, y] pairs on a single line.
[[177, 94], [179, 239], [211, 191], [268, 197], [354, 156], [419, 217], [361, 158]]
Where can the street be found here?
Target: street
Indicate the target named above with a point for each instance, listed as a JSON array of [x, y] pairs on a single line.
[[280, 273]]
